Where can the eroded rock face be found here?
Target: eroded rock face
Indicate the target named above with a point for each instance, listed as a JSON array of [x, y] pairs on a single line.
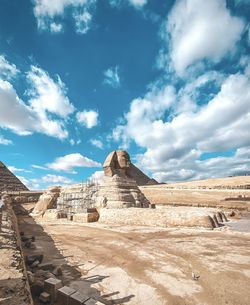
[[117, 189], [46, 201]]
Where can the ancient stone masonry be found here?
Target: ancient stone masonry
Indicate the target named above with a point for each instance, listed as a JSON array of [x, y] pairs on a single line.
[[8, 181], [77, 197], [118, 189], [14, 287]]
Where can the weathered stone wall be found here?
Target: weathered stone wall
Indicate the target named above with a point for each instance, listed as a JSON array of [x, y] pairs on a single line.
[[14, 287], [25, 196], [161, 217], [78, 197]]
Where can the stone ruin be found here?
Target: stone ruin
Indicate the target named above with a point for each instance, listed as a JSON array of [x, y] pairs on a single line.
[[117, 199], [81, 201], [78, 197]]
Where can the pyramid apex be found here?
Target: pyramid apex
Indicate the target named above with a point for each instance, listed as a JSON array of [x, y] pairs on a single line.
[[8, 181]]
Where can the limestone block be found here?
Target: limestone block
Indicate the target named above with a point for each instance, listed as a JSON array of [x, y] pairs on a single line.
[[64, 294], [51, 214], [90, 302], [44, 297], [86, 217], [51, 286], [77, 299]]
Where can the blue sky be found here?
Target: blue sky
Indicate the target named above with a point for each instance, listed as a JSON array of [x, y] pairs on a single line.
[[167, 80]]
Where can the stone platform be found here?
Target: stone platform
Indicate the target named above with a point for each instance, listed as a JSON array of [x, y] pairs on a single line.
[[164, 217]]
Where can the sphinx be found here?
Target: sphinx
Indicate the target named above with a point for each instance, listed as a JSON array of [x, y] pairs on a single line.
[[118, 189]]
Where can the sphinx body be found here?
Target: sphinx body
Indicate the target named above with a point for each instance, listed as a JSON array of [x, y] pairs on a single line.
[[118, 189]]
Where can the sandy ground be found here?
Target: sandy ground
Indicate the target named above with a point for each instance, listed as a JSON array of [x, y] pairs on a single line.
[[148, 266], [198, 197]]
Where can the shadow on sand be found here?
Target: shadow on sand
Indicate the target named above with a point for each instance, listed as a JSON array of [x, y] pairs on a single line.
[[71, 275]]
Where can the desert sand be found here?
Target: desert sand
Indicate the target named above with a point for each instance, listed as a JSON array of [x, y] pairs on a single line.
[[141, 265]]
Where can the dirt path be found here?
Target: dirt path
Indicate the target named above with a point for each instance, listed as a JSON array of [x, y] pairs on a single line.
[[136, 265]]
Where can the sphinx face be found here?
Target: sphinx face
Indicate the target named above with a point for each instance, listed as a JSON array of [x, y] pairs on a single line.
[[123, 159]]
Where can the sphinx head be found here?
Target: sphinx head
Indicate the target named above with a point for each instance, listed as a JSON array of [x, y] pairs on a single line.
[[117, 162]]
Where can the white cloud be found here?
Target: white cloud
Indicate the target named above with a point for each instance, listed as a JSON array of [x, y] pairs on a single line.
[[111, 77], [201, 30], [74, 142], [88, 118], [45, 181], [97, 143], [175, 143], [82, 21], [191, 168], [67, 163], [48, 101], [48, 95], [96, 176], [7, 70], [136, 3], [16, 170], [46, 11], [56, 27], [39, 167], [5, 141], [24, 119], [55, 179], [29, 183]]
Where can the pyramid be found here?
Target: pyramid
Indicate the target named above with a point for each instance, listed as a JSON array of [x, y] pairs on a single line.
[[140, 177], [9, 182]]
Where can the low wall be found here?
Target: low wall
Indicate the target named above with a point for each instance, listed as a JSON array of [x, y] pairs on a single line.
[[161, 217], [25, 196], [14, 287]]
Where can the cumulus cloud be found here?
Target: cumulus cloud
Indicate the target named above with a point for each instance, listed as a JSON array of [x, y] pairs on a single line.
[[82, 21], [56, 27], [47, 94], [111, 77], [7, 70], [67, 163], [23, 119], [88, 118], [55, 179], [5, 141], [191, 168], [221, 124], [200, 30], [45, 181], [47, 11], [97, 143], [96, 176]]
